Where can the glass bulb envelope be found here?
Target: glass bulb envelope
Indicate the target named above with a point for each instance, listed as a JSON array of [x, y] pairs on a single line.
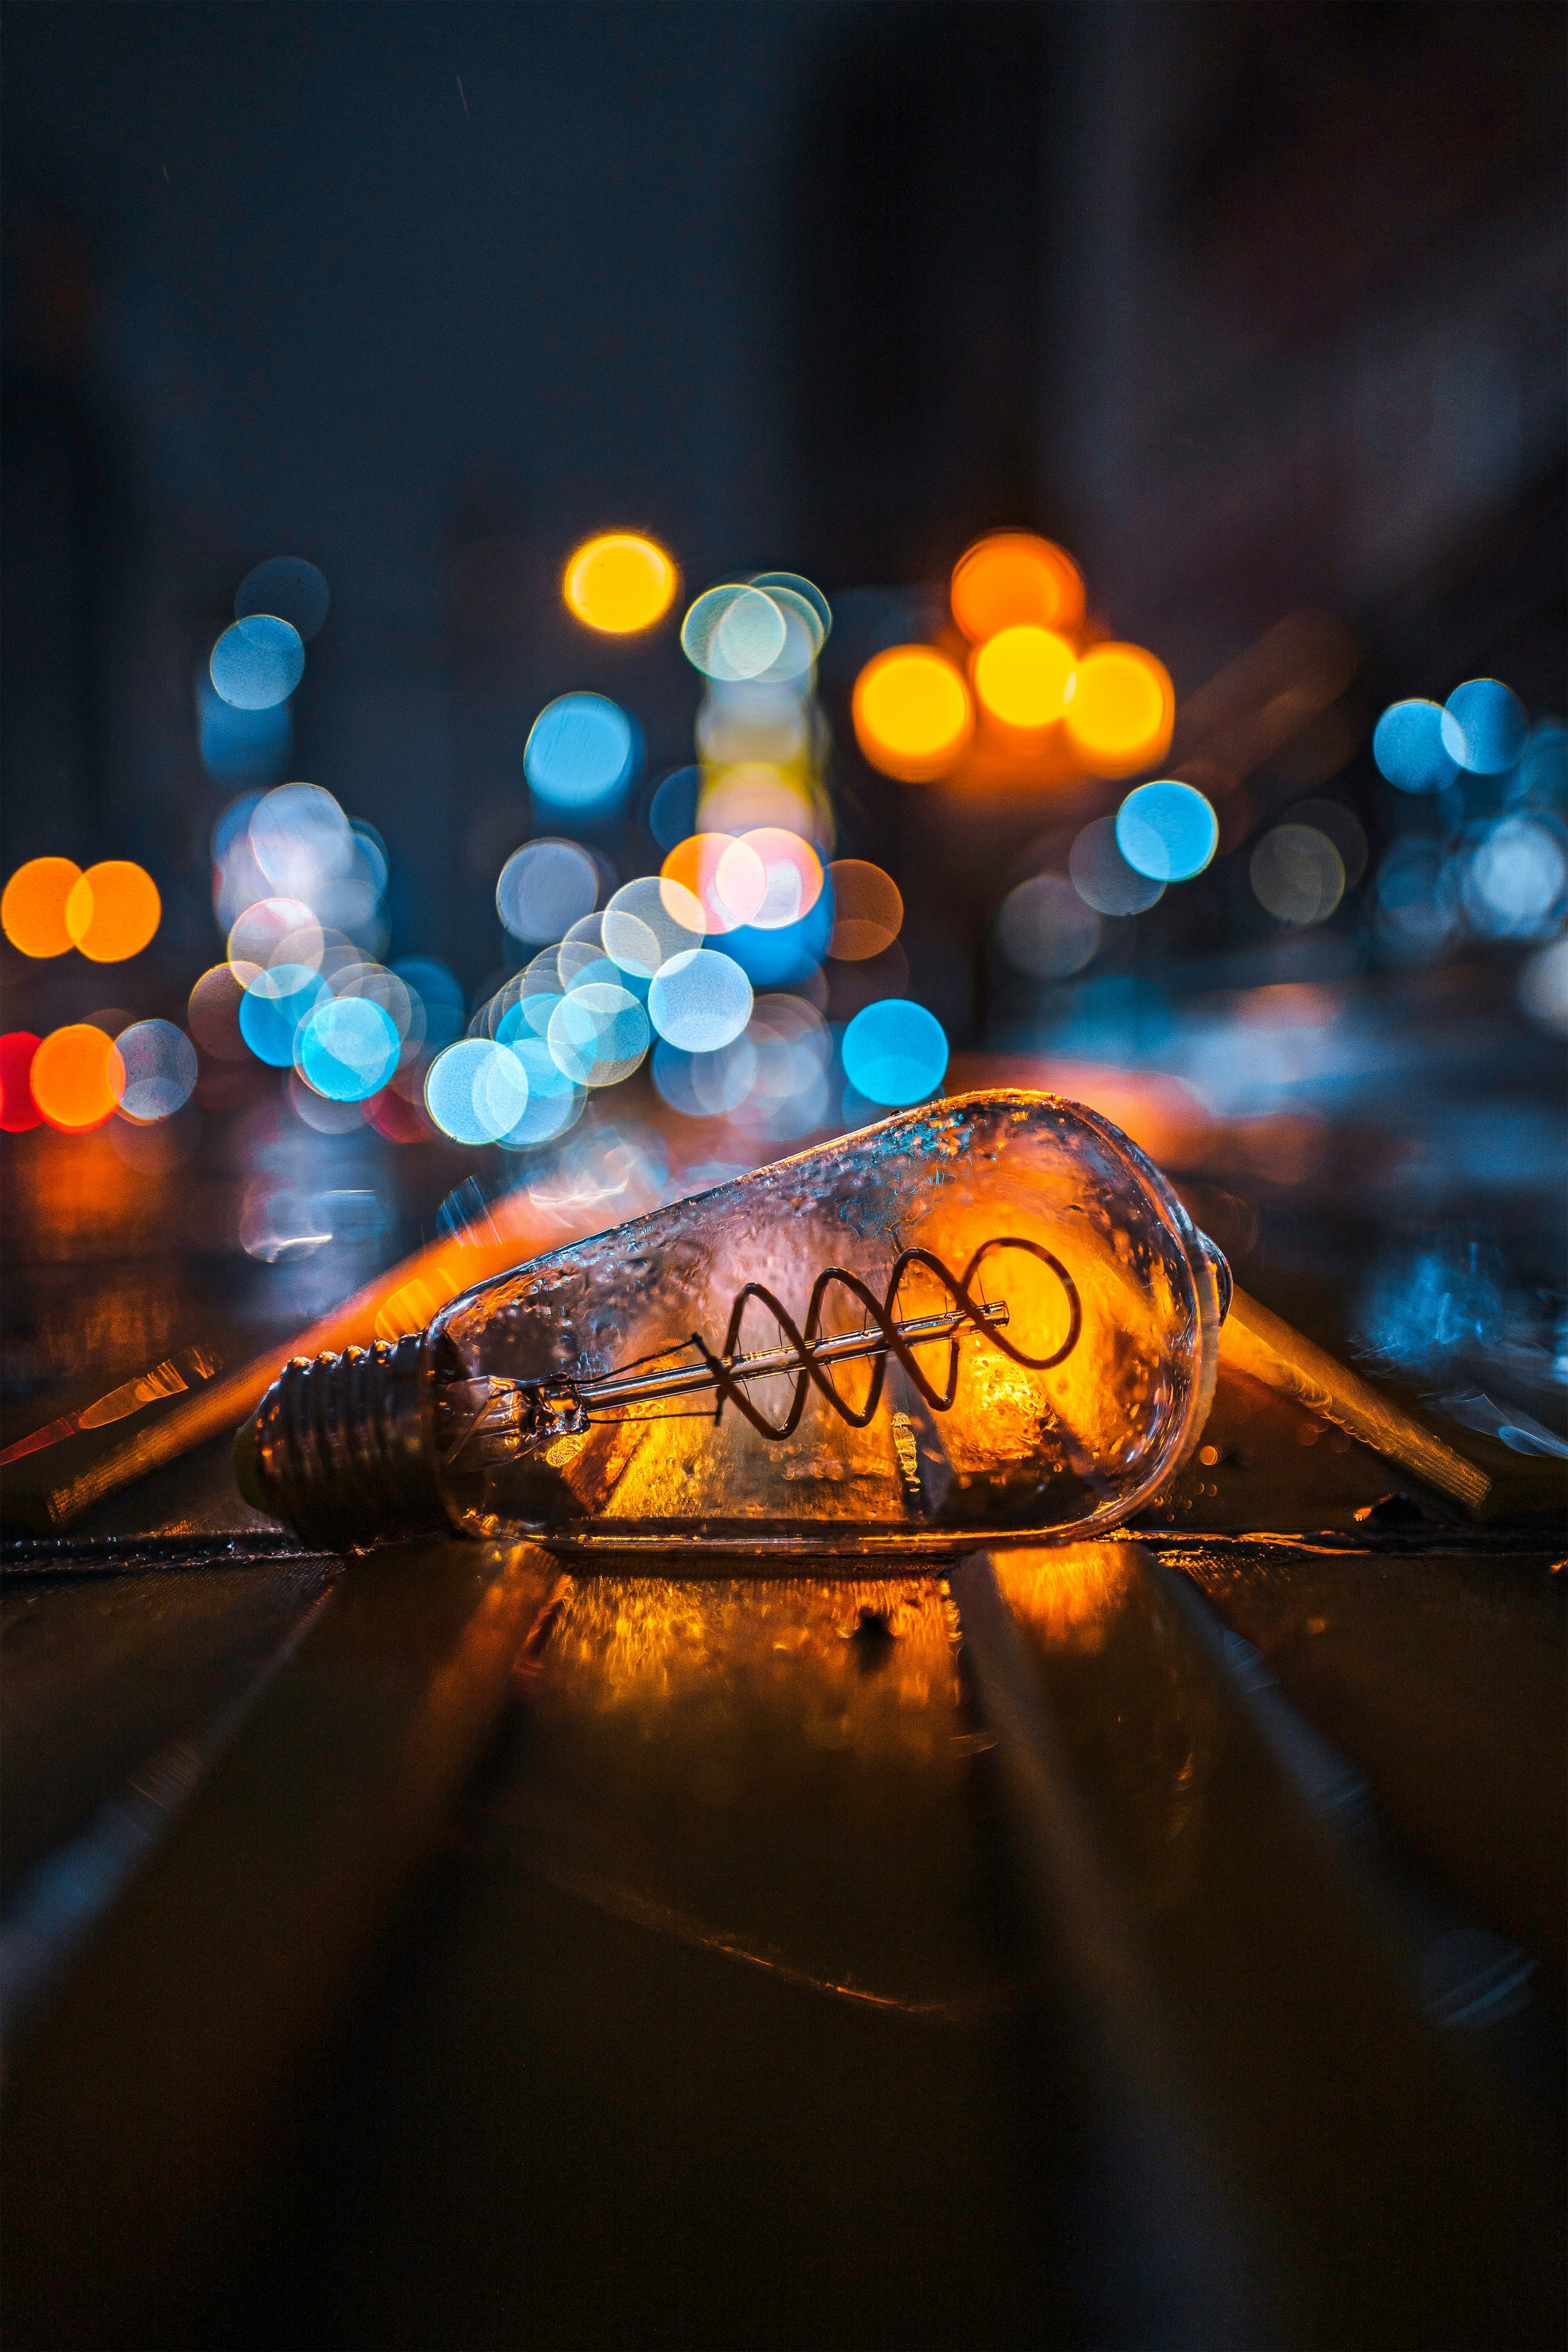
[[986, 1319]]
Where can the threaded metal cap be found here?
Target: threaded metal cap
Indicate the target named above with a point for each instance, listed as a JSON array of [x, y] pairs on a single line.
[[340, 1447]]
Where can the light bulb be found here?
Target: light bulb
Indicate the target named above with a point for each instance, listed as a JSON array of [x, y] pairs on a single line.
[[985, 1321]]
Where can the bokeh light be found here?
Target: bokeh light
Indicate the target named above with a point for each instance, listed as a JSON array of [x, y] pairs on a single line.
[[160, 1068], [1542, 990], [275, 1002], [32, 906], [301, 840], [1342, 828], [1167, 831], [258, 662], [724, 878], [276, 930], [1298, 874], [700, 1000], [790, 588], [77, 1077], [476, 1091], [1122, 709], [1046, 929], [544, 888], [440, 995], [1415, 898], [1484, 726], [1516, 877], [1012, 578], [736, 631], [619, 582], [1408, 747], [113, 910], [213, 1013], [19, 1111], [868, 909], [705, 1085], [793, 876], [895, 1052], [554, 1103], [580, 752], [288, 588], [648, 921], [323, 1112], [672, 810], [1102, 877], [1022, 676], [347, 1048], [599, 1033], [913, 713]]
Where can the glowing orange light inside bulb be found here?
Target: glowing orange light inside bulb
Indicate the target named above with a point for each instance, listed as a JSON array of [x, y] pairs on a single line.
[[77, 1077], [1023, 675], [913, 712], [1011, 577], [1122, 709], [113, 910], [619, 582], [33, 908]]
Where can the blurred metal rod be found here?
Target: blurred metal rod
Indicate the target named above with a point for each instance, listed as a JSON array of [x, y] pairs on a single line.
[[1255, 1342]]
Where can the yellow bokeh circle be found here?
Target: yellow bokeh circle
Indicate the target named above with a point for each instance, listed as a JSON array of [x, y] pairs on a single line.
[[620, 582], [1023, 676], [913, 712]]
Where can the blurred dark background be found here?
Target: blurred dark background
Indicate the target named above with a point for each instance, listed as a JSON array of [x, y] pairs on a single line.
[[1256, 308]]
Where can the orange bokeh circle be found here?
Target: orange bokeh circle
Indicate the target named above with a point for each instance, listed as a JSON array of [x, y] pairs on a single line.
[[113, 910], [33, 908], [1011, 577], [913, 713], [77, 1077]]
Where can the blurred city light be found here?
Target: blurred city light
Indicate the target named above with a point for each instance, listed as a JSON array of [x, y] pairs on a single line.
[[476, 1091], [1122, 710], [347, 1048], [1102, 877], [1408, 747], [619, 582], [288, 588], [913, 713], [19, 1111], [275, 1002], [1542, 989], [1023, 676], [258, 662], [1168, 831], [77, 1077], [895, 1052], [544, 888], [113, 910], [793, 874], [599, 1033], [1298, 874], [241, 747], [160, 1066], [1046, 928], [1483, 726], [213, 1013], [580, 752], [1516, 877], [735, 632], [868, 909], [32, 906], [725, 880], [1012, 578], [700, 1000]]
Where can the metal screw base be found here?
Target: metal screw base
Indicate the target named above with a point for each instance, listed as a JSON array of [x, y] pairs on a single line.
[[340, 1447]]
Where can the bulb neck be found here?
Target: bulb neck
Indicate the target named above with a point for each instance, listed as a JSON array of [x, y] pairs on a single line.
[[340, 1449]]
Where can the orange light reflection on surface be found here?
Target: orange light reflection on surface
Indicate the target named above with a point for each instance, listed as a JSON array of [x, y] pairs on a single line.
[[1011, 577], [913, 713], [619, 582], [1122, 709], [33, 908], [77, 1077], [1023, 676], [113, 910]]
